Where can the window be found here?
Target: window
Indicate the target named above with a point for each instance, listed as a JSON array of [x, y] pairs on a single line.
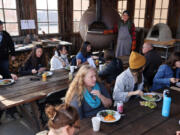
[[8, 14], [161, 11], [79, 6], [122, 5], [139, 14], [47, 16]]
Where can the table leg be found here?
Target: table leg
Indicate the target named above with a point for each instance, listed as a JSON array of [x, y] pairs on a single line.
[[31, 113], [166, 53], [36, 113]]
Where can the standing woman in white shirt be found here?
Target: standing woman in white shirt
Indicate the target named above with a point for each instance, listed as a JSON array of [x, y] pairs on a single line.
[[59, 60]]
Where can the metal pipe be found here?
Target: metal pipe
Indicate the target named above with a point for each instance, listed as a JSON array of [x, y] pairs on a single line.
[[98, 10]]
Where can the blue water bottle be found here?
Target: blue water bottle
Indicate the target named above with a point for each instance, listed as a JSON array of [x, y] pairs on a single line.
[[166, 104]]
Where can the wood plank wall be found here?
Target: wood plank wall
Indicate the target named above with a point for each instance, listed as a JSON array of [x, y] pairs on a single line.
[[27, 10], [174, 15]]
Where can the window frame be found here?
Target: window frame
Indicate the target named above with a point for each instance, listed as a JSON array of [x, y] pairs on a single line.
[[139, 10], [122, 6], [48, 22], [5, 22], [81, 10], [161, 9]]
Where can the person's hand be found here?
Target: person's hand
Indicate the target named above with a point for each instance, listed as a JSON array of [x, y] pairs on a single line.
[[64, 64], [41, 69], [174, 80], [96, 93], [34, 71], [14, 77], [13, 58], [138, 92]]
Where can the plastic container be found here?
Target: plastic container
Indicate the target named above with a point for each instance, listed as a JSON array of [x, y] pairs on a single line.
[[44, 77], [166, 104], [120, 107], [70, 76]]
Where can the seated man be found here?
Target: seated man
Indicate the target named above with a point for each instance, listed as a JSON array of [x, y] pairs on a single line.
[[153, 61], [112, 69]]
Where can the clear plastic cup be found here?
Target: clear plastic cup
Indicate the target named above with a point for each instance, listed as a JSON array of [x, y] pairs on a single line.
[[101, 66], [72, 69], [96, 121]]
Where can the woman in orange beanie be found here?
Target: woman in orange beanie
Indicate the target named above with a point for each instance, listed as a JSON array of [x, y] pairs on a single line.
[[130, 82]]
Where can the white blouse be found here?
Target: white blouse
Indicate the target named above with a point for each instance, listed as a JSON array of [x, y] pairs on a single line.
[[56, 62]]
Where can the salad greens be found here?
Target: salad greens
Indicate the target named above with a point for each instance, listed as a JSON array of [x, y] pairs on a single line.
[[149, 104]]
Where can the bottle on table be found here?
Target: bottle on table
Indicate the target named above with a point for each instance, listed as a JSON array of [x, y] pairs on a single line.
[[120, 107], [44, 77], [166, 104]]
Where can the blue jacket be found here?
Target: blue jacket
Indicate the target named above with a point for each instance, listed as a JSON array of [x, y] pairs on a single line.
[[162, 77], [81, 57]]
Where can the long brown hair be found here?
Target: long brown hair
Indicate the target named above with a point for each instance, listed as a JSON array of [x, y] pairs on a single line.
[[83, 49], [77, 86], [62, 115], [34, 59], [175, 56], [139, 73]]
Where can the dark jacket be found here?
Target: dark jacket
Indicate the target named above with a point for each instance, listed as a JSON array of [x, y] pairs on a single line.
[[111, 70], [153, 61], [28, 66], [6, 46]]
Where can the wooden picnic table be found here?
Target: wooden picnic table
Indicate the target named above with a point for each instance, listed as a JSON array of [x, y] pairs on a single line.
[[25, 91], [140, 120]]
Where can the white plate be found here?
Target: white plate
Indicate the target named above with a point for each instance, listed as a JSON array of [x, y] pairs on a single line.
[[158, 99], [10, 81], [49, 73], [116, 115]]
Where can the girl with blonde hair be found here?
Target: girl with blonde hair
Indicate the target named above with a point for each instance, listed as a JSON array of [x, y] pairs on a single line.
[[86, 93]]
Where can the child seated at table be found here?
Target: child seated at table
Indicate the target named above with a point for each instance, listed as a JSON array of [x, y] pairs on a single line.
[[112, 69], [87, 94], [35, 63], [59, 60], [63, 120], [167, 73], [130, 82]]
